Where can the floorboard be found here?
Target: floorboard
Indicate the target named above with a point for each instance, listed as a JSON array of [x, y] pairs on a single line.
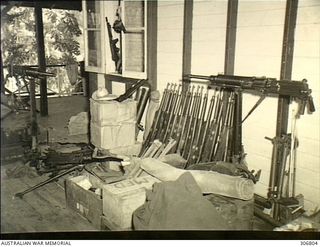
[[43, 210]]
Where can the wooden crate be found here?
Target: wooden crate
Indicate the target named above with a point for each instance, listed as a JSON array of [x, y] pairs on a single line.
[[112, 136], [107, 112], [85, 202], [121, 199]]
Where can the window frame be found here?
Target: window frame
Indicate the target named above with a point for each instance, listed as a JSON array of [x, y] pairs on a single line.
[[125, 72], [91, 68]]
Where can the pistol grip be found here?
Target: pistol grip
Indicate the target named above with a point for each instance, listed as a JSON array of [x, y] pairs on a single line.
[[310, 103]]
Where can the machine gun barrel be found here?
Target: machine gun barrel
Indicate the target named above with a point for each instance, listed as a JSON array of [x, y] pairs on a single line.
[[21, 194], [27, 71]]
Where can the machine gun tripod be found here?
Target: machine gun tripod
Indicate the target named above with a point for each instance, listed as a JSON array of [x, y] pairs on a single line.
[[28, 76]]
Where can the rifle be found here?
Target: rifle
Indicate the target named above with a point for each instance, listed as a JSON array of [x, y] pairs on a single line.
[[184, 117], [175, 105], [214, 128], [194, 147], [128, 93], [188, 148], [206, 128], [187, 121], [179, 107], [154, 127], [115, 51]]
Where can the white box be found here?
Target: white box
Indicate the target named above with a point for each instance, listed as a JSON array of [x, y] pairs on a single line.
[[121, 199], [112, 136], [105, 112]]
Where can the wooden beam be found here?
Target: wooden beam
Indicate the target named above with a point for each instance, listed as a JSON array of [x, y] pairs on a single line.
[[187, 37], [67, 5], [286, 63], [2, 74], [232, 17], [231, 32], [41, 59], [283, 102], [152, 34]]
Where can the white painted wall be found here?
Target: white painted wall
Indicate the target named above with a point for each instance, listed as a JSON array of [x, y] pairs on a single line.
[[208, 37], [306, 64], [258, 52], [170, 35]]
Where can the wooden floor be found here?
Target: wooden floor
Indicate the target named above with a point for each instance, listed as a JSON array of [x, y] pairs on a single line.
[[43, 210]]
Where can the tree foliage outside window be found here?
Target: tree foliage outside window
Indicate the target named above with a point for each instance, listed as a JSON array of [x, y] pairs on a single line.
[[62, 36], [18, 42]]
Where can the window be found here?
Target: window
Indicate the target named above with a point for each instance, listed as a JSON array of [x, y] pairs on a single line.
[[135, 39], [94, 36]]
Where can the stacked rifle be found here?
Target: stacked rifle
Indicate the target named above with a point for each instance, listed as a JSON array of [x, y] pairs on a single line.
[[196, 127]]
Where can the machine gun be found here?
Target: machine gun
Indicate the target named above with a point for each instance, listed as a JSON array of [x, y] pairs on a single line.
[[17, 70], [52, 161], [115, 51], [263, 85], [60, 164]]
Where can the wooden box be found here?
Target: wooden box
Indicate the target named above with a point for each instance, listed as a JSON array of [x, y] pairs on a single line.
[[107, 112], [121, 199], [85, 202], [113, 136]]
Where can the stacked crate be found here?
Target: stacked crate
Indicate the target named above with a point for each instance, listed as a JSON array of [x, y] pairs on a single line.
[[113, 124]]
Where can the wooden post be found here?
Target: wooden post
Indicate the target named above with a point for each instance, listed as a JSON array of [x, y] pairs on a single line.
[[2, 74], [41, 59], [285, 74], [232, 16], [283, 102], [231, 32], [152, 33], [187, 37], [286, 63]]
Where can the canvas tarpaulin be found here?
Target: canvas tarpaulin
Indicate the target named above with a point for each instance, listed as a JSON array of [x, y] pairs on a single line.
[[177, 205]]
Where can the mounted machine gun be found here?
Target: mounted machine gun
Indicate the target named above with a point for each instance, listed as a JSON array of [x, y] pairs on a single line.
[[262, 85]]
